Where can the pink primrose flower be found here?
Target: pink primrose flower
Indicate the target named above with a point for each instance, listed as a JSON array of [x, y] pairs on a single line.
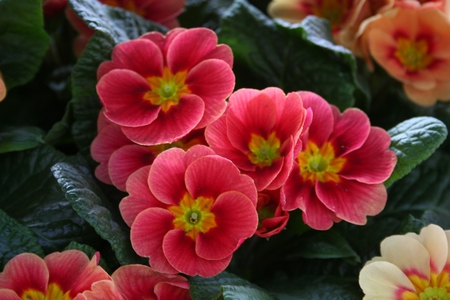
[[159, 88], [412, 44], [411, 267], [260, 134], [132, 282], [119, 157], [189, 211], [60, 275], [340, 170], [271, 218]]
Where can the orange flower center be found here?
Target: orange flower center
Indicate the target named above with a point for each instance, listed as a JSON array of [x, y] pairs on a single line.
[[127, 5], [413, 55], [320, 163], [332, 10], [263, 151], [167, 90], [54, 292], [437, 288], [194, 215]]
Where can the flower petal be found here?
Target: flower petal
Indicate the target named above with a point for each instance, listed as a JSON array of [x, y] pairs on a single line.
[[236, 220], [121, 92], [166, 177], [147, 234], [373, 162], [125, 161], [169, 126], [352, 201], [180, 252], [25, 271]]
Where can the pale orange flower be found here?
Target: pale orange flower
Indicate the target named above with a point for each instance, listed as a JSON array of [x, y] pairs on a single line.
[[2, 88], [412, 45]]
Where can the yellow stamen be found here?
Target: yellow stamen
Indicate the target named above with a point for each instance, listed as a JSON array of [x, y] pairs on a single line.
[[320, 163], [193, 216], [167, 90], [413, 55], [264, 152]]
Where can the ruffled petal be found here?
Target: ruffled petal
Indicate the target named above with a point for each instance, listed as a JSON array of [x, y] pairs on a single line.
[[236, 220], [147, 234], [180, 252], [169, 126]]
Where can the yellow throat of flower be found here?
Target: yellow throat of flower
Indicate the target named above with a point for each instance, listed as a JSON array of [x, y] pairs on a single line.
[[54, 292], [332, 10], [263, 152], [319, 163], [167, 90], [413, 55], [193, 215]]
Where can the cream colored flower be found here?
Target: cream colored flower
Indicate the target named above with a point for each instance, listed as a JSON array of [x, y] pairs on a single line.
[[411, 267]]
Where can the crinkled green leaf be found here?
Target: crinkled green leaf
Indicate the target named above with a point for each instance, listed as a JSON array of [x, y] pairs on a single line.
[[203, 13], [119, 24], [320, 287], [14, 138], [325, 245], [413, 141], [225, 286], [423, 193], [292, 57], [31, 195], [87, 199], [15, 238], [23, 40]]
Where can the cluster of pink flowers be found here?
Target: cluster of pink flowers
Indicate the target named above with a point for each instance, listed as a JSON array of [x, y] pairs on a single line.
[[408, 38], [204, 174], [71, 275]]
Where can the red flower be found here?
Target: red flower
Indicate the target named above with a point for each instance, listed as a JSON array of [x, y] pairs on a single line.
[[158, 89], [132, 282], [58, 276], [340, 171], [190, 212], [119, 157], [272, 219], [260, 134]]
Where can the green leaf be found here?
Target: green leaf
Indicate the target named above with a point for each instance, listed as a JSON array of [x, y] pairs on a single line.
[[203, 13], [423, 193], [292, 57], [60, 133], [87, 199], [15, 239], [324, 245], [320, 287], [225, 286], [121, 25], [413, 141], [14, 138], [31, 195], [23, 40]]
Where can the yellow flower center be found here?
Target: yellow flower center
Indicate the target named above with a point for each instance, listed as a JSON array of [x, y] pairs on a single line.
[[194, 215], [54, 292], [319, 163], [437, 288], [332, 10], [263, 152], [413, 55], [127, 5], [167, 90]]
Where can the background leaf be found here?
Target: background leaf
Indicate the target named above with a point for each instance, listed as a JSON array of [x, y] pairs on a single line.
[[413, 141], [23, 40], [87, 199], [15, 239], [14, 138], [31, 195]]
